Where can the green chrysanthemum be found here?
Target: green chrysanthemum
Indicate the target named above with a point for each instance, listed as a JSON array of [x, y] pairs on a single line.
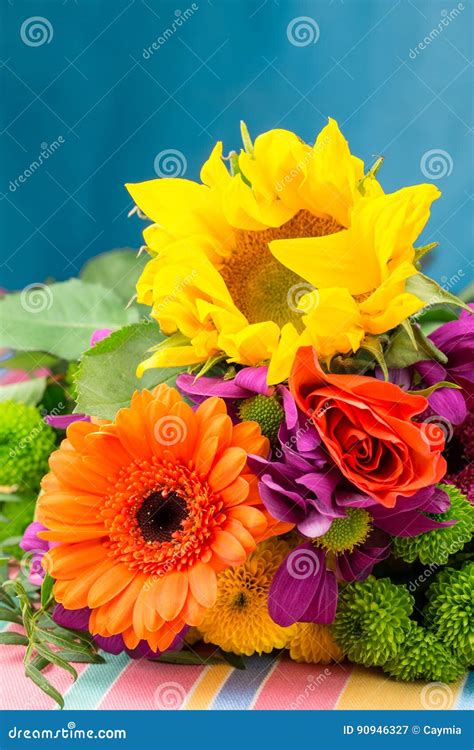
[[15, 518], [372, 620], [25, 444], [422, 656], [450, 610], [437, 545], [346, 533], [266, 410]]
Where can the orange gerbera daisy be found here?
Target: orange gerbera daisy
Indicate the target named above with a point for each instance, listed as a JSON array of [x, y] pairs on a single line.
[[146, 511]]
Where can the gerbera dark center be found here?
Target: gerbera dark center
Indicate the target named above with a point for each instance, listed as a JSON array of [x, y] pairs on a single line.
[[158, 516]]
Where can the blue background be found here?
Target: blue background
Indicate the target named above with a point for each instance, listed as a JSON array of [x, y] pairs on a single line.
[[92, 86]]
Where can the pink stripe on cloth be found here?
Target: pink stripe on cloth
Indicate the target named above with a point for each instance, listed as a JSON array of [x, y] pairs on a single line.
[[18, 692], [293, 686], [146, 685]]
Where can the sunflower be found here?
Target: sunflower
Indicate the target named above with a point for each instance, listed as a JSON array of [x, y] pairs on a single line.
[[146, 510], [239, 621], [298, 246]]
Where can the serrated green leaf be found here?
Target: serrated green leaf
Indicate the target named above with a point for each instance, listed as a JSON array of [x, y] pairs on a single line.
[[63, 318], [40, 680], [106, 378], [29, 361], [430, 292], [13, 639], [116, 269], [27, 391]]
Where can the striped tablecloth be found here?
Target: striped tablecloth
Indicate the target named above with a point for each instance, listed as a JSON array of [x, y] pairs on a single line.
[[268, 682]]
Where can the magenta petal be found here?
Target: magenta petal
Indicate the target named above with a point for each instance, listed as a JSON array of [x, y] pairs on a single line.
[[450, 404], [253, 379], [314, 524], [77, 619], [323, 605], [62, 422], [295, 583], [206, 387], [31, 541], [99, 334], [112, 644]]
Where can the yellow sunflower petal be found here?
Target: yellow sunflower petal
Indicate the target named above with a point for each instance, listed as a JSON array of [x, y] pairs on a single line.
[[334, 324], [252, 345]]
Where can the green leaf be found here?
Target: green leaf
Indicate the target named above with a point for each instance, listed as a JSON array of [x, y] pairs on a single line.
[[187, 657], [421, 251], [405, 350], [430, 292], [39, 679], [432, 318], [61, 318], [246, 139], [28, 391], [9, 615], [13, 639], [106, 378], [40, 663], [116, 269], [371, 173], [46, 590], [373, 345], [67, 642], [233, 659], [428, 391], [55, 658], [29, 361], [86, 657]]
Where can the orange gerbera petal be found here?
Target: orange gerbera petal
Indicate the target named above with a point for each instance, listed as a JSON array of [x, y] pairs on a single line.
[[170, 595], [203, 584], [147, 510]]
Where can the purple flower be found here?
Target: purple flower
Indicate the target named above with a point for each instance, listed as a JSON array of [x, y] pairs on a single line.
[[62, 421], [78, 619], [36, 548], [248, 382], [456, 340]]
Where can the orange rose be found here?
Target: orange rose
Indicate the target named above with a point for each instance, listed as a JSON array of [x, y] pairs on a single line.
[[366, 425]]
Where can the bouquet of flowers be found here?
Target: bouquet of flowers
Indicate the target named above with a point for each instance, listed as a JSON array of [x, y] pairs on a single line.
[[268, 446]]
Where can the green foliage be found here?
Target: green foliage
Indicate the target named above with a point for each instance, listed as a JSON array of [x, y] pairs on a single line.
[[45, 642], [266, 410], [432, 293], [422, 656], [410, 345], [25, 445], [26, 391], [15, 518], [60, 318], [449, 613], [372, 620], [106, 378], [29, 361], [436, 546], [116, 269]]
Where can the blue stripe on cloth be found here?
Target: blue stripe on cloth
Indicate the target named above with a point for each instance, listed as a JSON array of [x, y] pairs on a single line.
[[239, 690], [94, 682], [466, 698]]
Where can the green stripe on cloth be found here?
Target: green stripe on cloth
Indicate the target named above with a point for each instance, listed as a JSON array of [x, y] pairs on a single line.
[[94, 682]]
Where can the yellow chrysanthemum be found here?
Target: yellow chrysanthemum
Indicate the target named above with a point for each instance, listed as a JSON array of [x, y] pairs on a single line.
[[313, 644], [296, 248], [239, 620]]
